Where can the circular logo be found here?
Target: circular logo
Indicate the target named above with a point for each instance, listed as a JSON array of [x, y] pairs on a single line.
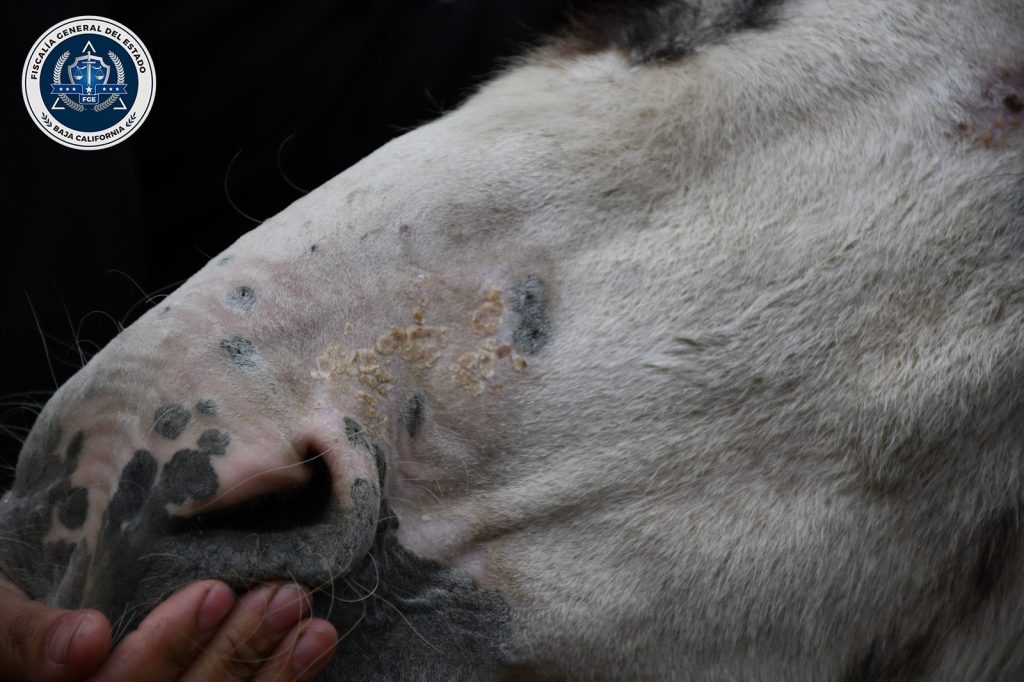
[[89, 83]]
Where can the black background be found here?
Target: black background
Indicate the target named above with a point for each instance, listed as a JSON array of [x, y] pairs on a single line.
[[307, 88]]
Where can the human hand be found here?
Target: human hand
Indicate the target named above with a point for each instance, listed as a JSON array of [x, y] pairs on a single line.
[[201, 632]]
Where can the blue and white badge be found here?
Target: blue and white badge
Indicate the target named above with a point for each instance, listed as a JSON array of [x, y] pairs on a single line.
[[89, 83]]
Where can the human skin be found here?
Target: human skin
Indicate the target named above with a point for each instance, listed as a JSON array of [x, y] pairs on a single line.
[[201, 632]]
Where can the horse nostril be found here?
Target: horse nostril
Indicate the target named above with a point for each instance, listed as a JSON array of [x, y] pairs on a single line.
[[302, 502], [309, 527], [311, 524]]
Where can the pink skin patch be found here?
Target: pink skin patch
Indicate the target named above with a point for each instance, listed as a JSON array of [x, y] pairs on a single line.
[[997, 117]]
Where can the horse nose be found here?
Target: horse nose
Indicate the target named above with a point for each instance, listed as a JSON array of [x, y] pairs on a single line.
[[235, 509], [267, 508]]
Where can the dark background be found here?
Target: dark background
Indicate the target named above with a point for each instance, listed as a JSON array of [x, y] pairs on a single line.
[[335, 80]]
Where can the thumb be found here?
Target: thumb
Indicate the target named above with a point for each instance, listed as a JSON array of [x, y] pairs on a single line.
[[46, 644]]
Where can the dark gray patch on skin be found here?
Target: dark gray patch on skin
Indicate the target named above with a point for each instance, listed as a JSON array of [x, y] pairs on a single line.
[[313, 248], [412, 414], [207, 408], [241, 352], [529, 300], [225, 260], [57, 493], [73, 510], [356, 436], [170, 420], [133, 488], [970, 581], [213, 442], [241, 299], [412, 618], [189, 475], [658, 30]]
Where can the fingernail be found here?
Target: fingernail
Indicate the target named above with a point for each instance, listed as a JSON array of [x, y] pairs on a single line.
[[310, 649], [287, 607], [58, 640], [216, 604]]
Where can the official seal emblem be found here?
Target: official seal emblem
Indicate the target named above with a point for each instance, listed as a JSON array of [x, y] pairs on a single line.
[[89, 82]]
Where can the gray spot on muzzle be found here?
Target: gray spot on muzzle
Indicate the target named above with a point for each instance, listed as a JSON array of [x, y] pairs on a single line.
[[133, 488], [74, 508], [241, 352], [213, 442], [207, 408], [241, 299], [189, 475], [170, 420]]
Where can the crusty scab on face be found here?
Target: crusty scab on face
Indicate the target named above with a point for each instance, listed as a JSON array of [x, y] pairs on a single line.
[[653, 30]]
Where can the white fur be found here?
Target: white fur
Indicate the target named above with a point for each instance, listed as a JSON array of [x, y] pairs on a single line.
[[784, 386]]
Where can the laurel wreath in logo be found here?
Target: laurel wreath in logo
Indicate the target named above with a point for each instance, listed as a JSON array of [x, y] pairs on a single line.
[[120, 81], [70, 103]]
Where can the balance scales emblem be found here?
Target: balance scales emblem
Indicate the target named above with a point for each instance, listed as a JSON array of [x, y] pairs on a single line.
[[89, 81]]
